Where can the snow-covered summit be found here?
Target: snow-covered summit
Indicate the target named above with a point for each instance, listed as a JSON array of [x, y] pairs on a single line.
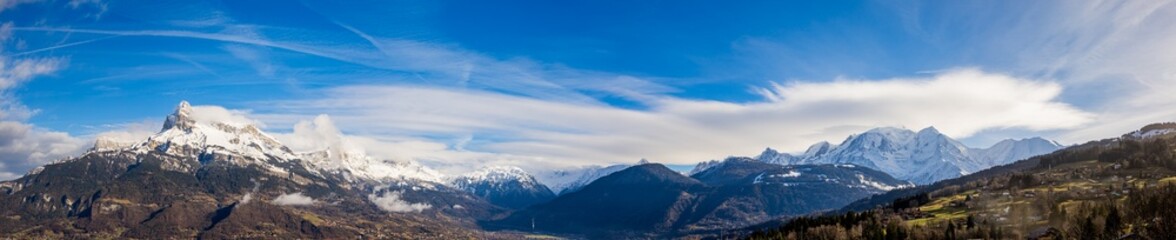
[[497, 174], [570, 180], [186, 128], [770, 155], [214, 134], [357, 166], [210, 134], [506, 186], [1001, 152], [921, 157]]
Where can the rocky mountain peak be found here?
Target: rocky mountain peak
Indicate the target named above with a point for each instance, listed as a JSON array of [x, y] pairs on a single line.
[[181, 118]]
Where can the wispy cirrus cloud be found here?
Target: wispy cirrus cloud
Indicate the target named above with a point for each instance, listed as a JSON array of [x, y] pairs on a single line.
[[1073, 70], [683, 131]]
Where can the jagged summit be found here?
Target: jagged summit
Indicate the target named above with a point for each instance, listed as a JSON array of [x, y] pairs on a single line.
[[216, 135], [499, 174], [929, 130], [181, 118], [186, 130]]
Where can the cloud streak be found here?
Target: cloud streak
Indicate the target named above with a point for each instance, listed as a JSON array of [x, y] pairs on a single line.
[[683, 131]]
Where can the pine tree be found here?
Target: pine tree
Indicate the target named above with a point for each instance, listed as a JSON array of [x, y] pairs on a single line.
[[950, 233], [1113, 223], [971, 222]]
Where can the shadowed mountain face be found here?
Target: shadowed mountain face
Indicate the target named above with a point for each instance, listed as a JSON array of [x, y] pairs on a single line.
[[651, 200]]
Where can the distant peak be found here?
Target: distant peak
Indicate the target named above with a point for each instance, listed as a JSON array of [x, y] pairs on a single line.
[[818, 149], [769, 151], [643, 161], [181, 117], [929, 130]]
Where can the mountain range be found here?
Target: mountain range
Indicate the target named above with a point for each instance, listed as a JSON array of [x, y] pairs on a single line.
[[206, 177], [921, 157], [1115, 188], [652, 201]]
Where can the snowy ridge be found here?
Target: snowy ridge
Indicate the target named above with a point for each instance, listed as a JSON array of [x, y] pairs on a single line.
[[570, 180], [357, 166], [772, 156], [703, 166], [211, 138], [921, 157], [1141, 134], [185, 134], [497, 176]]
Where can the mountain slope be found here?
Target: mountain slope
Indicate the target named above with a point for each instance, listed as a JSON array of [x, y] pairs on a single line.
[[652, 201], [642, 198], [508, 187], [1104, 189], [203, 177], [570, 180]]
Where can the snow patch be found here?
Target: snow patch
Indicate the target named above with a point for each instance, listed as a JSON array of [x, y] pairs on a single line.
[[1151, 133], [880, 186], [759, 179]]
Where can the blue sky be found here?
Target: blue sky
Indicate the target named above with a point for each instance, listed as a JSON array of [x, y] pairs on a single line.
[[593, 82]]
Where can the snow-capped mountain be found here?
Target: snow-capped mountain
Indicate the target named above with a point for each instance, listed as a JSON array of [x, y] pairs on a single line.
[[221, 140], [504, 186], [212, 140], [570, 180], [357, 166], [921, 157], [211, 174], [651, 199], [1009, 149]]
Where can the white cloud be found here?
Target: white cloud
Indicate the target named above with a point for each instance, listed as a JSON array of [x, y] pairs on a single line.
[[24, 147], [391, 202], [8, 4], [1115, 58], [317, 135], [14, 72], [535, 132], [218, 114], [293, 199], [130, 133]]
